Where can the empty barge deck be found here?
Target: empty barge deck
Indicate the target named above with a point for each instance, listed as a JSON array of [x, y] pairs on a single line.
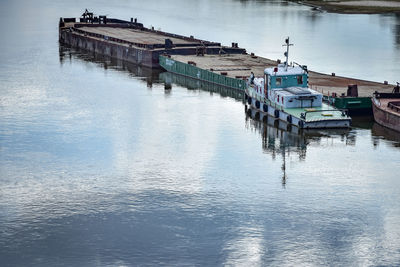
[[131, 41]]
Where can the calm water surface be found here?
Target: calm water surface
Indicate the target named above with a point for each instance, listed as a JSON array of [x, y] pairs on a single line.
[[104, 163]]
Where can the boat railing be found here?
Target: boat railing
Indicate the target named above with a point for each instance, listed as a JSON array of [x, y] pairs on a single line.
[[272, 104], [394, 105], [386, 95], [344, 112]]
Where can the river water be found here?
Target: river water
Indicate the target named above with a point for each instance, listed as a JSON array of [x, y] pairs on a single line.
[[103, 163]]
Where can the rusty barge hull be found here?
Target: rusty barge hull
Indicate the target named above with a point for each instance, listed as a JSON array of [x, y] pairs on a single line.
[[387, 111], [132, 42]]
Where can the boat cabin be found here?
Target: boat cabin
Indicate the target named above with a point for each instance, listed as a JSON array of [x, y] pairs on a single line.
[[287, 86]]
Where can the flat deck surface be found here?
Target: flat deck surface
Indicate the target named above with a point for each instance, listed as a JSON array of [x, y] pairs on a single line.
[[240, 65], [325, 112], [384, 105], [135, 36], [328, 84], [235, 65]]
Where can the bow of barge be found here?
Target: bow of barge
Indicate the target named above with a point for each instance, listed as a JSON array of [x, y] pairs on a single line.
[[386, 108]]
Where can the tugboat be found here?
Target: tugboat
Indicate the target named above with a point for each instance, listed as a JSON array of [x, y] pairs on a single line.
[[283, 93], [386, 108]]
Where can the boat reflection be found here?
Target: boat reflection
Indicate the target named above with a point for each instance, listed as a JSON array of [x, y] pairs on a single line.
[[380, 132], [280, 139], [280, 136]]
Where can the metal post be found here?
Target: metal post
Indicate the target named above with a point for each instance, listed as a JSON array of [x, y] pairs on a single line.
[[287, 44]]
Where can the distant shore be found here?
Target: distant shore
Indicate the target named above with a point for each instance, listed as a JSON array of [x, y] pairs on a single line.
[[355, 7]]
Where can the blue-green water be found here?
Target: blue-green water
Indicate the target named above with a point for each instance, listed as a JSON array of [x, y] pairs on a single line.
[[103, 163]]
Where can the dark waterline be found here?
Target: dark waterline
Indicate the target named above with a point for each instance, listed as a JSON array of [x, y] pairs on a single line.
[[105, 163]]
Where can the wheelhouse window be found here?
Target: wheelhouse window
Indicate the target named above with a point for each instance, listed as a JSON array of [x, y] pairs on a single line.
[[300, 79], [278, 81]]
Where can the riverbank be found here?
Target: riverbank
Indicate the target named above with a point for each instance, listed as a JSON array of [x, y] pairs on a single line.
[[355, 7]]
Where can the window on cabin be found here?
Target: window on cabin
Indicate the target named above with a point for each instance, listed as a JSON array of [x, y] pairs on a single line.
[[278, 81], [300, 79]]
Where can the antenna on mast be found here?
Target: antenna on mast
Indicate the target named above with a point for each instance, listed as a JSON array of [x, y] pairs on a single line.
[[287, 44]]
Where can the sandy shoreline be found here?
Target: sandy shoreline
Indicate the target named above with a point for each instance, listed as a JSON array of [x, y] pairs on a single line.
[[355, 7], [368, 3]]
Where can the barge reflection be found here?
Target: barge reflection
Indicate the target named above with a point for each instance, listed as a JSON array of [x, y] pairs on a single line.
[[379, 132], [192, 84], [68, 54], [150, 76]]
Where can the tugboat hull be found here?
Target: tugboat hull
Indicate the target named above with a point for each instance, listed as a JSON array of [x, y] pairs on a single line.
[[293, 116]]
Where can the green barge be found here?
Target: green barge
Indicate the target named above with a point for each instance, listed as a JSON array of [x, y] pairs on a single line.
[[356, 105], [192, 71]]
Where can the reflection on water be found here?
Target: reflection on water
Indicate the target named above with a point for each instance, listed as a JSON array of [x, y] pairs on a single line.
[[379, 132], [151, 76], [281, 138], [192, 84], [68, 54], [167, 79], [396, 30]]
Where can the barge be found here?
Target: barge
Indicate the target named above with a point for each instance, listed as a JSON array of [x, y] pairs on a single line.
[[386, 108], [131, 41]]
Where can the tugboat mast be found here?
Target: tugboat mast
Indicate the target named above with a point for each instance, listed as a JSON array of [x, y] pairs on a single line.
[[287, 44]]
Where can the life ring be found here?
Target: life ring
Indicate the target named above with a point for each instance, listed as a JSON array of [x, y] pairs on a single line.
[[289, 118], [265, 108], [257, 104], [276, 113]]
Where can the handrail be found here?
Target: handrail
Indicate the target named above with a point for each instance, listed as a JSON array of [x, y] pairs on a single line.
[[386, 95], [394, 105]]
